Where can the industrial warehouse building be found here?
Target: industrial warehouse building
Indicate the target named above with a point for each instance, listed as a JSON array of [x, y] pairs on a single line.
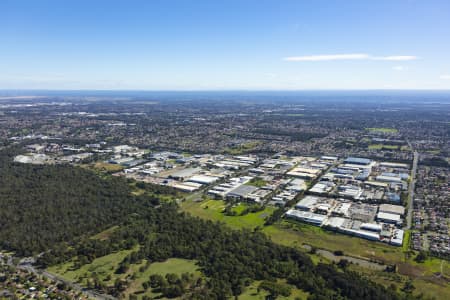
[[392, 209], [306, 216], [357, 161], [389, 218], [241, 192]]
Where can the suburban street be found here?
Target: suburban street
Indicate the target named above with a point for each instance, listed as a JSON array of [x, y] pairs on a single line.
[[89, 293], [411, 190]]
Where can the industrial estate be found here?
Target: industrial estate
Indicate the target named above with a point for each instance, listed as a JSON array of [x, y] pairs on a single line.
[[354, 196]]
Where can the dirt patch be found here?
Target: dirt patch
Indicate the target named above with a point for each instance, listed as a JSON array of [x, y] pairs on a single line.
[[436, 279], [371, 252], [409, 270]]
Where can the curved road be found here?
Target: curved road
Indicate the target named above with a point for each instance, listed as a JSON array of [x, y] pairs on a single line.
[[91, 294]]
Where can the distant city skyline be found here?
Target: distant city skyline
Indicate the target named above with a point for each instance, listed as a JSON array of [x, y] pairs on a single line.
[[225, 45]]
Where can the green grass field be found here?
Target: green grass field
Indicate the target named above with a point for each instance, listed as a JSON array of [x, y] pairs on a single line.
[[172, 265], [406, 240], [295, 234], [102, 267], [239, 208], [427, 283], [388, 147], [382, 130], [212, 210], [242, 148], [251, 293], [135, 190], [382, 146]]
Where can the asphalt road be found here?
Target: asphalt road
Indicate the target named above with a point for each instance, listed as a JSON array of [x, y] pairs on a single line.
[[89, 293], [411, 190]]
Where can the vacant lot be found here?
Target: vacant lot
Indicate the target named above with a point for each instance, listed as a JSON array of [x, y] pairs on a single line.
[[295, 234], [106, 167]]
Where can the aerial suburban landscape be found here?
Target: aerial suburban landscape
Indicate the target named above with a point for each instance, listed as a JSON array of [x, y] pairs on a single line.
[[372, 198], [213, 150]]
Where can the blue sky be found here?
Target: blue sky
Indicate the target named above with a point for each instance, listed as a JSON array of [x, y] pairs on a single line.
[[227, 44]]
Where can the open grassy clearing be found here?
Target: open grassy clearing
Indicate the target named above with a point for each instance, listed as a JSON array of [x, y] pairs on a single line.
[[388, 147], [173, 265], [251, 293], [431, 289], [242, 148], [239, 208], [137, 191], [426, 275], [104, 267], [434, 151], [104, 235], [406, 240], [430, 285], [382, 130], [295, 234], [106, 167], [383, 146], [433, 266], [212, 210]]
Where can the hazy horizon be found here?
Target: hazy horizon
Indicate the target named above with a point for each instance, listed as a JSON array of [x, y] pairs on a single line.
[[225, 45]]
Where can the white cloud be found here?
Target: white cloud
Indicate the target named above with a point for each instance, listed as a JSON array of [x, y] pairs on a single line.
[[328, 57], [445, 76], [351, 56], [395, 57]]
